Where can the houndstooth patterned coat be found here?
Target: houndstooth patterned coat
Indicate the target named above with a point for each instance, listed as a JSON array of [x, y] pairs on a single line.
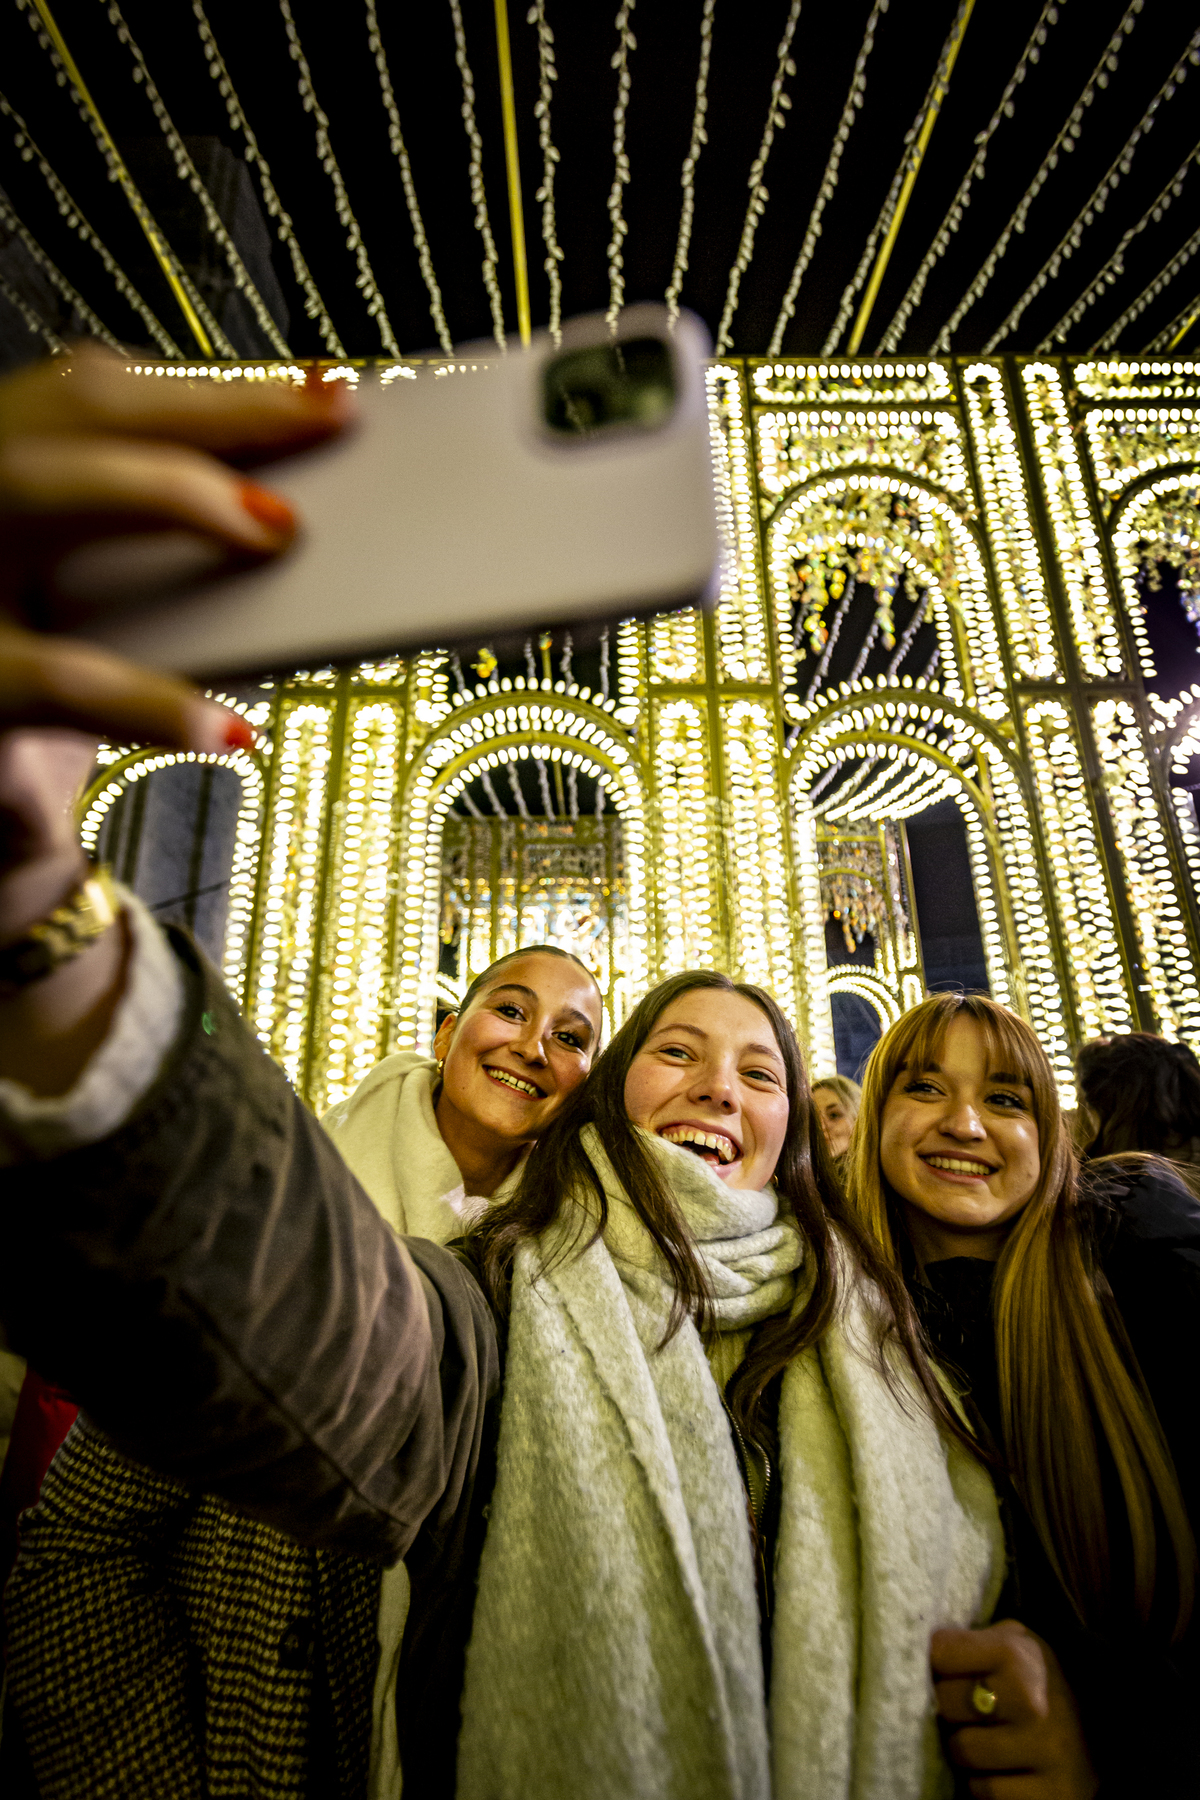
[[164, 1645]]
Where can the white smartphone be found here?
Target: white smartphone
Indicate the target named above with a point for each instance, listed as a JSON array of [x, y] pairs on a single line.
[[477, 495]]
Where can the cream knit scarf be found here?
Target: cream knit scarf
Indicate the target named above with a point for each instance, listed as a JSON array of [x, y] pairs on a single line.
[[615, 1651]]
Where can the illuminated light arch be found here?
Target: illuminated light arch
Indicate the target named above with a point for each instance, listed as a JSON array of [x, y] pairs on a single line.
[[787, 529], [1124, 528], [123, 772], [847, 979], [484, 735], [974, 764]]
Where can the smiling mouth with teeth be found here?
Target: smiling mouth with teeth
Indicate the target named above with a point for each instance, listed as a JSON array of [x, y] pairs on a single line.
[[959, 1165], [514, 1081], [713, 1147]]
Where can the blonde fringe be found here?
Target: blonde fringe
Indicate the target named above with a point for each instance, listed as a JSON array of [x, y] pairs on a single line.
[[1062, 1371]]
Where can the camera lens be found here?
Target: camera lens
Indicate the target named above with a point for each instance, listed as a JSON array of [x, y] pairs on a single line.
[[630, 384]]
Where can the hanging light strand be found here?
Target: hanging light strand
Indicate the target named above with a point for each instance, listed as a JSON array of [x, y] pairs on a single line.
[[626, 42], [36, 325], [365, 282], [187, 172], [1064, 143], [314, 305], [547, 76], [71, 214], [1115, 266], [400, 152], [1161, 281], [1096, 202], [777, 108], [483, 223], [188, 296], [907, 162], [1179, 327], [55, 276], [829, 180], [687, 179], [1005, 108]]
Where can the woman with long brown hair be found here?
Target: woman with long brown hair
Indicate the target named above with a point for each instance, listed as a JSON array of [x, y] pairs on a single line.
[[1071, 1332]]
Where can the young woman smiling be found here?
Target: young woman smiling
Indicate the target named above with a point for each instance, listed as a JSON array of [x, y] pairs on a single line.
[[693, 1541], [1068, 1316], [432, 1139]]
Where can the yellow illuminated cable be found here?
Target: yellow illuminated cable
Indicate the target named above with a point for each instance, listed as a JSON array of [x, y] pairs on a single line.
[[162, 251], [1184, 329], [926, 132], [516, 213]]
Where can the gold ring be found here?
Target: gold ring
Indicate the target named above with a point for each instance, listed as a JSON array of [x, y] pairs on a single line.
[[983, 1700]]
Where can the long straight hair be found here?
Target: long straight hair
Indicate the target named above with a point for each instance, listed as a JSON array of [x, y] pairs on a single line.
[[1067, 1375], [559, 1170]]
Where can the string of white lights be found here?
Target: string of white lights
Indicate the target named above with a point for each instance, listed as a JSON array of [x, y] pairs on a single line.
[[54, 274], [906, 163], [1186, 316], [829, 180], [513, 782], [400, 152], [37, 326], [777, 107], [834, 633], [118, 173], [687, 179], [187, 172], [1072, 129], [1005, 108], [365, 282], [616, 216], [483, 224], [314, 305], [1095, 203], [547, 76], [1162, 280], [1115, 266], [73, 216], [922, 611]]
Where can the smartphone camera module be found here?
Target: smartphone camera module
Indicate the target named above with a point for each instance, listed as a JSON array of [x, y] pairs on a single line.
[[629, 384]]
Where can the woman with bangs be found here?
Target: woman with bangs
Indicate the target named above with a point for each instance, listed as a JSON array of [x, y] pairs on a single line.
[[1064, 1312]]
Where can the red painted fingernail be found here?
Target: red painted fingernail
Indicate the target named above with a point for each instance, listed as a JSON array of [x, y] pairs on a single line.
[[239, 735], [268, 509]]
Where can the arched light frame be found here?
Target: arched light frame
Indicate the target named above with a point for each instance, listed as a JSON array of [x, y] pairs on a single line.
[[118, 776], [847, 979], [1124, 531], [788, 531], [887, 722], [484, 735]]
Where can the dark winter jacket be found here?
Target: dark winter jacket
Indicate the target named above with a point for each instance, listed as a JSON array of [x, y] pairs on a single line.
[[225, 1302], [1139, 1698]]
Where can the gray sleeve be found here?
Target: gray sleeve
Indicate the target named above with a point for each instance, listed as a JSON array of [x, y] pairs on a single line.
[[214, 1287]]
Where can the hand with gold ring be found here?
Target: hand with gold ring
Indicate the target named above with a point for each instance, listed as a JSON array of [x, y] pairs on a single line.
[[1016, 1724]]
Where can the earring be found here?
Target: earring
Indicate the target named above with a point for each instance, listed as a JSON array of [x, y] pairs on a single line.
[[440, 1067]]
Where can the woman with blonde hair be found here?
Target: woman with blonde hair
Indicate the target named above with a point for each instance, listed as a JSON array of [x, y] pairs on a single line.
[[1065, 1314], [836, 1100]]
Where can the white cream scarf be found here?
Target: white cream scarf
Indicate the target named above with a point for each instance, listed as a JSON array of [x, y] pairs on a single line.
[[388, 1135], [615, 1648]]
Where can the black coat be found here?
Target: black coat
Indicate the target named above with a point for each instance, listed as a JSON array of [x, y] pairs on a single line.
[[1140, 1698]]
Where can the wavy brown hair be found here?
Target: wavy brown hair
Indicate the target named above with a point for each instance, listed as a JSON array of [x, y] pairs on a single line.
[[1067, 1375], [559, 1169]]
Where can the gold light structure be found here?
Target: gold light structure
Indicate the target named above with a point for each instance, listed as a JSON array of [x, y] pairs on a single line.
[[1018, 497]]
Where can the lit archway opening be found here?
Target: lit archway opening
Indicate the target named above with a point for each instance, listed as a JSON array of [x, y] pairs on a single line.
[[562, 905], [183, 830]]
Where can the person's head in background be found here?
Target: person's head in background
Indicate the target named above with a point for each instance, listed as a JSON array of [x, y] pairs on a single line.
[[521, 1042], [1142, 1093], [836, 1100]]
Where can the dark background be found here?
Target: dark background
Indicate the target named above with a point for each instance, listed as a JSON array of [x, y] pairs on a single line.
[[420, 48]]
